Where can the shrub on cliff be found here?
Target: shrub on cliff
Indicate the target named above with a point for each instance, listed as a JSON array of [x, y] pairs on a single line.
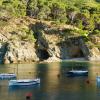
[[85, 14], [27, 35]]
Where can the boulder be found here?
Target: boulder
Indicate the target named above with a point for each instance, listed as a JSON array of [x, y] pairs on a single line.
[[20, 53]]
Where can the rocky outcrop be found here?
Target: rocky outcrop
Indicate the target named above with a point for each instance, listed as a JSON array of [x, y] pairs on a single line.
[[71, 48], [52, 47], [94, 54], [51, 44], [84, 48], [20, 52], [3, 48]]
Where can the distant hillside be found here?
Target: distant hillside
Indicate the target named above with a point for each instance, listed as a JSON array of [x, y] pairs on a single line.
[[84, 14]]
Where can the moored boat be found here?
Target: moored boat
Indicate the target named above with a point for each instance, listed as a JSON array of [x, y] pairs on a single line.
[[7, 75], [24, 82], [77, 73], [98, 79]]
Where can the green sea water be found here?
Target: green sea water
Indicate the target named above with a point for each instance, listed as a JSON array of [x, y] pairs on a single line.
[[55, 85]]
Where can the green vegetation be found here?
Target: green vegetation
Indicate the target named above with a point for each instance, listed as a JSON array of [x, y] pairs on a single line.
[[27, 35], [84, 14]]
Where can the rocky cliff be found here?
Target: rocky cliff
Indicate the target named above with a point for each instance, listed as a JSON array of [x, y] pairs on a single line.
[[27, 40]]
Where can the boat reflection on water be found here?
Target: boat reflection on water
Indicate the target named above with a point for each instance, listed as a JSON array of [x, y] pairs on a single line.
[[29, 87], [23, 83]]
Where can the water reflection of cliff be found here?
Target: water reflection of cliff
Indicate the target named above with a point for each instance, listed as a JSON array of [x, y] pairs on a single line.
[[94, 70], [49, 80], [48, 74], [22, 70]]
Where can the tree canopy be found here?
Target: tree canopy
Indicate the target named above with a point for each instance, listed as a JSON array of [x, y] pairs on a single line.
[[84, 14]]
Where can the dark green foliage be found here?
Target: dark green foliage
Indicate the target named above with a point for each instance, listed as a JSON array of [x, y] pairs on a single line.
[[14, 7], [96, 32], [27, 35], [97, 0], [32, 8], [44, 12], [85, 14]]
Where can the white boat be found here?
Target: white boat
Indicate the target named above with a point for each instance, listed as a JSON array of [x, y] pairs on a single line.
[[24, 82], [7, 75], [77, 73]]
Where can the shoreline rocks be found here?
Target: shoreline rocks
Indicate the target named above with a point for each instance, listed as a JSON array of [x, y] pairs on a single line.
[[51, 43]]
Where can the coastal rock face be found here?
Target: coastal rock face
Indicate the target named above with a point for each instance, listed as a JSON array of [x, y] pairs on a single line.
[[3, 48], [94, 48], [21, 52], [51, 43], [94, 54], [51, 46]]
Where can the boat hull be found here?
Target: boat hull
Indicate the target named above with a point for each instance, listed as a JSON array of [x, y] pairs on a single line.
[[98, 81], [77, 73], [24, 82], [7, 76]]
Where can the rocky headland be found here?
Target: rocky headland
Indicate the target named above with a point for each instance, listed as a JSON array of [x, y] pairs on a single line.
[[26, 40]]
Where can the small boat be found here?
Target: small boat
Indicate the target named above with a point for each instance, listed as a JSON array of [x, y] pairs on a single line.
[[77, 73], [24, 82], [98, 79], [7, 75]]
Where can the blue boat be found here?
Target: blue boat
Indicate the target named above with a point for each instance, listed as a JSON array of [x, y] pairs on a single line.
[[24, 82], [77, 73], [98, 79], [7, 75]]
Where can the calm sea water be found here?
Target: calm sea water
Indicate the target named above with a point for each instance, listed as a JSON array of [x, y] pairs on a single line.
[[51, 86]]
